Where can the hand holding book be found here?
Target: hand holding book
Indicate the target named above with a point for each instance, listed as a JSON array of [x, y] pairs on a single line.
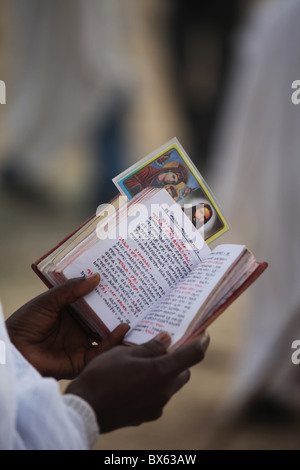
[[49, 337], [157, 272], [125, 386]]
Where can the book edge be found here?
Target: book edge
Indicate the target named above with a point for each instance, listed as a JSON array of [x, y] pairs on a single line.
[[262, 266]]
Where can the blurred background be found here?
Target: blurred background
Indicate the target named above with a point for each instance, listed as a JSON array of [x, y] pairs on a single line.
[[93, 86]]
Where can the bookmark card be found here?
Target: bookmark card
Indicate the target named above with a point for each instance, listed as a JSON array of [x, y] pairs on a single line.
[[170, 167]]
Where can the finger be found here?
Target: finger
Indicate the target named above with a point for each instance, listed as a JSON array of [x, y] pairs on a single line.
[[68, 292], [155, 347], [115, 338], [181, 380], [186, 356], [91, 334], [173, 386]]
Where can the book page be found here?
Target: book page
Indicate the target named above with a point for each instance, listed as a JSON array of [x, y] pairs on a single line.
[[179, 308], [142, 261], [79, 235]]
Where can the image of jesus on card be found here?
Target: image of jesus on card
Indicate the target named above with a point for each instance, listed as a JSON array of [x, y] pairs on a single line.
[[170, 168]]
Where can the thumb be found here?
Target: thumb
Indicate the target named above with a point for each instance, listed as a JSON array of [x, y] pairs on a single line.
[[155, 347], [68, 292]]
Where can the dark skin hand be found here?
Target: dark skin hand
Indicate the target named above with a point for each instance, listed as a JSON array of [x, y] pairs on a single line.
[[124, 385], [127, 386], [51, 339]]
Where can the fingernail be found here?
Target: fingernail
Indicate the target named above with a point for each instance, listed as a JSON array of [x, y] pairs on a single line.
[[92, 276], [164, 337], [204, 339], [125, 326]]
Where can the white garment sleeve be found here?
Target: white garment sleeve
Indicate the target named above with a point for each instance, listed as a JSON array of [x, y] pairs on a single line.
[[86, 413], [33, 412]]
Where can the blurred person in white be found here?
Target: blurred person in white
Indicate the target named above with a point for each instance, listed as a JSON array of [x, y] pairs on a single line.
[[71, 77], [256, 164]]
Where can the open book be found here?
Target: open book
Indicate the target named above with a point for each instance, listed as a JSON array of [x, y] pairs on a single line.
[[157, 272]]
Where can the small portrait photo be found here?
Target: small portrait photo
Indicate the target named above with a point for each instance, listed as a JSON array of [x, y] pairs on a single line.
[[203, 214]]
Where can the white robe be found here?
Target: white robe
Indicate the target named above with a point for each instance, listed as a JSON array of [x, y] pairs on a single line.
[[256, 164], [33, 413], [70, 65]]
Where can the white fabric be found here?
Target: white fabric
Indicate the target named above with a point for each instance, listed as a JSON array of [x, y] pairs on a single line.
[[33, 413], [257, 168], [71, 64]]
